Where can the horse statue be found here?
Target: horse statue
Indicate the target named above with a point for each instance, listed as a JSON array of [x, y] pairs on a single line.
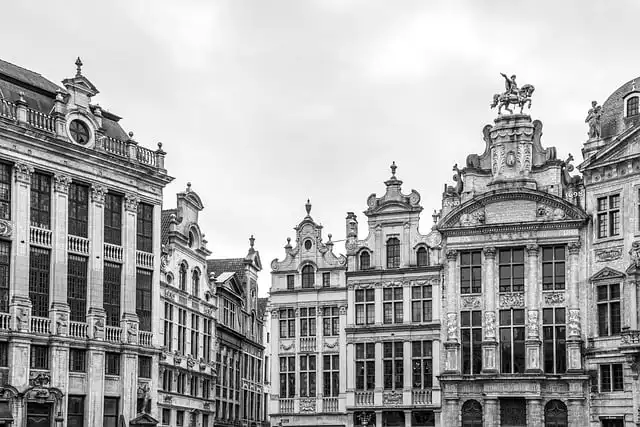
[[513, 96]]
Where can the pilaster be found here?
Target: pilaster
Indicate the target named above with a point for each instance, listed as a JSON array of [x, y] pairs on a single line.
[[406, 372], [95, 382], [532, 295], [59, 358], [59, 312], [378, 307], [574, 340], [128, 295], [379, 384], [491, 417], [490, 344], [535, 417]]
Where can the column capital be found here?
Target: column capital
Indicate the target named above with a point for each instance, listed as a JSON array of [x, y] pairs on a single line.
[[98, 193], [452, 254], [131, 202], [61, 183], [574, 247], [533, 250], [23, 172], [489, 252]]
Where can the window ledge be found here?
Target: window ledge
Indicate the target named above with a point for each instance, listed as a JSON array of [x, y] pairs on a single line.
[[600, 241]]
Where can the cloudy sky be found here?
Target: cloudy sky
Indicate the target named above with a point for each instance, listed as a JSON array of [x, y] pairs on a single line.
[[262, 104]]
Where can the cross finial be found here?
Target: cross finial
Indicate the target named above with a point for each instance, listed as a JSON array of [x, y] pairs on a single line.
[[308, 207], [251, 241], [78, 67], [393, 169]]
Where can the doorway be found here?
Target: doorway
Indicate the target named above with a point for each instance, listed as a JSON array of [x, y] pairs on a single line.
[[38, 414], [513, 412]]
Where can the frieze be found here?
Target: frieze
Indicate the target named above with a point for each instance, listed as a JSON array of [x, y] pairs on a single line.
[[512, 299], [470, 302], [554, 387], [6, 230], [474, 218], [331, 344], [307, 405], [392, 284], [608, 254], [287, 346], [392, 398], [511, 387], [549, 213], [553, 298]]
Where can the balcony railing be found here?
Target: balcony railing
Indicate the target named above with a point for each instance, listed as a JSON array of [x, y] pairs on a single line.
[[146, 156], [40, 236], [307, 343], [112, 252], [144, 259], [40, 325], [5, 321], [113, 334], [40, 120], [114, 146], [146, 338], [421, 397], [79, 245], [287, 406], [330, 404], [630, 341], [364, 398], [78, 329], [7, 109]]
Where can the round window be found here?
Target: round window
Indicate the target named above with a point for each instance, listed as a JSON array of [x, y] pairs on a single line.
[[169, 278], [307, 244], [79, 132]]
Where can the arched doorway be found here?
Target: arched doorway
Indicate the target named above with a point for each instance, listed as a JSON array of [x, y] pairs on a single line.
[[555, 414], [471, 414]]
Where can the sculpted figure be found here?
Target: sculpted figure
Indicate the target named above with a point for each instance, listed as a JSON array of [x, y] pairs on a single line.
[[593, 119], [510, 84], [512, 95]]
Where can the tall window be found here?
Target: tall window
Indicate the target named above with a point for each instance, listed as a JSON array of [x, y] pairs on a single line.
[[78, 209], [110, 418], [287, 323], [308, 376], [4, 354], [470, 272], [393, 253], [512, 341], [330, 321], [77, 287], [144, 230], [365, 307], [179, 418], [291, 279], [511, 270], [182, 277], [365, 366], [112, 363], [193, 385], [166, 416], [168, 326], [611, 378], [75, 411], [144, 283], [331, 375], [308, 276], [144, 366], [182, 330], [40, 200], [471, 414], [553, 268], [392, 365], [206, 342], [77, 360], [181, 382], [195, 281], [392, 305], [167, 380], [471, 334], [5, 268], [39, 357], [632, 106], [111, 285], [195, 335], [326, 280], [39, 272], [308, 322], [421, 304], [206, 389], [113, 219], [609, 216], [422, 364], [608, 309], [365, 260], [287, 377], [422, 256], [554, 332], [5, 191]]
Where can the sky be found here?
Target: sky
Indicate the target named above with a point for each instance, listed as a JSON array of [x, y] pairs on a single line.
[[263, 104]]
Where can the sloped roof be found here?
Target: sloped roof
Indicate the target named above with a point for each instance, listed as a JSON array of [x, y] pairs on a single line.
[[229, 265], [27, 76], [164, 224]]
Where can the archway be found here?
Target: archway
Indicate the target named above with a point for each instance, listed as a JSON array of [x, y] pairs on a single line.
[[555, 414], [471, 414]]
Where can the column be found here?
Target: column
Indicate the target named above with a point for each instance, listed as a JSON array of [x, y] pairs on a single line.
[[452, 345], [533, 294], [450, 412], [490, 414], [407, 418], [95, 382], [351, 312], [407, 373], [576, 409], [408, 257], [490, 343], [96, 318], [377, 260], [59, 313], [379, 386], [379, 419], [535, 417], [574, 340], [378, 305], [59, 369], [406, 303], [347, 368], [345, 359], [632, 310]]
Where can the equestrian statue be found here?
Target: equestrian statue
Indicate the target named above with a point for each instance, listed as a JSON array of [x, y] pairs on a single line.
[[512, 95]]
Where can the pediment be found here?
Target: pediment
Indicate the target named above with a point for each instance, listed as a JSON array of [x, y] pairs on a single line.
[[82, 84], [607, 273], [621, 148], [143, 420], [229, 281]]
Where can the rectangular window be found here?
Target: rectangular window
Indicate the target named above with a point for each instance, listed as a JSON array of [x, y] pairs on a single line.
[[144, 366], [393, 253], [608, 216], [365, 307], [111, 410], [287, 323], [287, 377], [608, 301], [511, 270], [512, 341], [554, 333], [308, 322], [471, 337], [365, 366], [193, 386], [180, 418], [39, 276], [111, 289], [182, 330], [75, 411], [168, 326], [308, 376], [291, 279], [393, 305], [611, 378], [207, 339], [470, 272], [112, 363], [330, 321], [5, 191], [422, 364], [78, 210], [166, 416], [167, 380], [181, 382], [421, 304], [113, 219], [144, 284], [144, 230], [77, 287], [41, 201], [195, 335], [39, 357], [331, 375], [77, 360], [392, 365], [206, 389], [5, 268], [205, 420], [326, 280], [4, 354], [553, 268]]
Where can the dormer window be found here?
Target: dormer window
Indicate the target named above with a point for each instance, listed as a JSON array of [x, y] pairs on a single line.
[[365, 261], [79, 132], [393, 253], [422, 257], [308, 276], [632, 106]]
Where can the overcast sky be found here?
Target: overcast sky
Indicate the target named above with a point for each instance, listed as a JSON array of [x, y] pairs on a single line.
[[263, 104]]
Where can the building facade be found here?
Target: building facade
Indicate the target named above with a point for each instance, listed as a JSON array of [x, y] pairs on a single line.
[[611, 171], [80, 245], [187, 363], [308, 304]]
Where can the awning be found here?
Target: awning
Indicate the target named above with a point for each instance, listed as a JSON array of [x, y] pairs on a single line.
[[5, 412]]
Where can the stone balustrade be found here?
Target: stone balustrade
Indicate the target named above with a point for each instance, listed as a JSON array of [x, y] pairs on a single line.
[[40, 236], [420, 397], [144, 259], [78, 329], [287, 406], [78, 245], [5, 321], [40, 325], [113, 252], [113, 334], [8, 109], [115, 146], [308, 344], [40, 120], [146, 338], [364, 398], [330, 404]]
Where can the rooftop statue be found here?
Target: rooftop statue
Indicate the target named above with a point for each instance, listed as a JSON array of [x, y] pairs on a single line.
[[512, 95], [593, 119]]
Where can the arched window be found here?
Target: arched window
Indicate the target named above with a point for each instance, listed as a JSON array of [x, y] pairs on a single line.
[[632, 106], [308, 276], [365, 261], [192, 239], [195, 282], [393, 253], [555, 414], [423, 256], [471, 414], [183, 277]]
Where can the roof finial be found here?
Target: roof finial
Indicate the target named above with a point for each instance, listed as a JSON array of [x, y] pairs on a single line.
[[308, 207], [393, 169], [78, 67], [188, 187], [251, 241]]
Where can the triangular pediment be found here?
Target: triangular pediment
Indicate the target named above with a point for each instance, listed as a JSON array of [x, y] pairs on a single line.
[[623, 147], [144, 420], [82, 84], [607, 273]]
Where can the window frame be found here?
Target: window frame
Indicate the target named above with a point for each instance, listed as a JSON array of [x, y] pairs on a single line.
[[422, 304], [632, 105], [609, 369], [393, 365], [168, 326], [393, 252], [330, 375], [512, 328], [308, 375], [77, 280], [6, 174], [554, 281], [554, 336], [145, 366], [291, 281], [471, 265], [365, 306], [111, 420], [612, 305], [287, 374], [78, 210], [471, 342], [113, 218], [39, 280], [287, 322], [422, 378], [5, 275], [365, 362], [308, 316], [144, 298], [77, 360], [326, 279], [75, 410], [308, 274], [40, 206], [393, 305], [330, 321], [422, 257], [512, 266], [144, 227], [112, 364], [39, 357], [608, 215], [112, 292], [362, 265]]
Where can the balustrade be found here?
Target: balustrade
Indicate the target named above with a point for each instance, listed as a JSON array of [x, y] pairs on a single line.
[[40, 325], [144, 259], [364, 398], [421, 397], [40, 120], [307, 343], [330, 404], [40, 236], [5, 321], [79, 245], [115, 146], [7, 109], [78, 329], [112, 252], [146, 338], [146, 156], [287, 406], [113, 334]]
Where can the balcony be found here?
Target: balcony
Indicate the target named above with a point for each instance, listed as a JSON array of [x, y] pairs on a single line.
[[330, 404], [78, 329], [144, 259], [113, 334], [364, 398], [308, 344], [421, 397], [5, 321], [112, 252], [630, 341], [287, 406], [78, 245], [40, 236], [41, 325], [146, 338], [40, 120]]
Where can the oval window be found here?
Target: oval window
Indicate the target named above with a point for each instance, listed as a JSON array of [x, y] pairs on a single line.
[[307, 244], [79, 132]]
